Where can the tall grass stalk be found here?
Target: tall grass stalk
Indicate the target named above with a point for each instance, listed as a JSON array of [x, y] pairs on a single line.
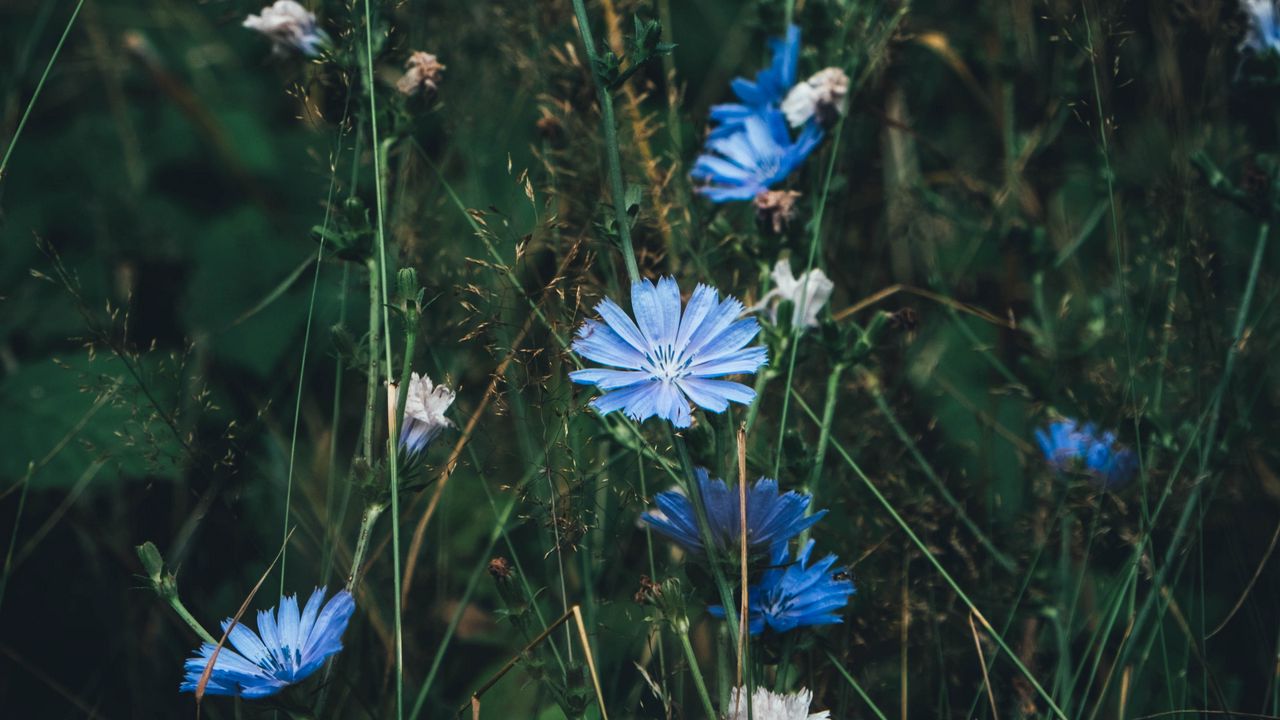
[[380, 157], [612, 155], [22, 123], [928, 554]]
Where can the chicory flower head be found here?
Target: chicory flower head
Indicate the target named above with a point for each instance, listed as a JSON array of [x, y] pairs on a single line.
[[758, 154], [668, 358], [766, 705], [791, 595], [1263, 33], [1070, 447], [287, 648], [424, 406], [290, 27], [807, 294], [772, 517], [766, 91]]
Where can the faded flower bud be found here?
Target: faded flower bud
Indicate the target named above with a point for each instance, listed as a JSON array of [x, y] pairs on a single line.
[[649, 593], [501, 569], [775, 209], [291, 27], [424, 408], [423, 73], [825, 96], [807, 294]]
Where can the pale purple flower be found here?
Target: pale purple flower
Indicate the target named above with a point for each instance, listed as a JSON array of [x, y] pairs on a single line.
[[291, 27]]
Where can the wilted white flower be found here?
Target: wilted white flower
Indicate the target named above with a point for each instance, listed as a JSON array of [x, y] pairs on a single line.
[[767, 705], [807, 294], [290, 27], [1263, 33], [422, 74], [824, 95], [424, 408]]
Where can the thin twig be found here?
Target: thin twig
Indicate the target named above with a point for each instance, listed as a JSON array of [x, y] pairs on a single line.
[[474, 700], [591, 663], [1248, 588], [217, 648], [982, 660]]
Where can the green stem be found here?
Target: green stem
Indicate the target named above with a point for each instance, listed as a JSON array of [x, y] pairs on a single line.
[[410, 343], [694, 491], [1237, 335], [13, 536], [938, 485], [612, 154], [1171, 553], [371, 384], [814, 240], [824, 432], [946, 576], [302, 374], [498, 531], [762, 381], [4, 163], [653, 567], [856, 687], [379, 163], [682, 632], [334, 521], [367, 520], [189, 619]]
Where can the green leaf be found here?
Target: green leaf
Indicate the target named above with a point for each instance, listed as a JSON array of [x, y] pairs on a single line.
[[62, 415]]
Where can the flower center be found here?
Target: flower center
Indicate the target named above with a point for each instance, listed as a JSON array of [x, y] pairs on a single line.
[[666, 364]]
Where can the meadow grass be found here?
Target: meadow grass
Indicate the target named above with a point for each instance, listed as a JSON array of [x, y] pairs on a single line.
[[229, 252]]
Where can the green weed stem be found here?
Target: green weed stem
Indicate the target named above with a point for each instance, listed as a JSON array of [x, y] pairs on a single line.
[[380, 157], [4, 162], [694, 491], [612, 155], [946, 576], [873, 388], [856, 687], [683, 634]]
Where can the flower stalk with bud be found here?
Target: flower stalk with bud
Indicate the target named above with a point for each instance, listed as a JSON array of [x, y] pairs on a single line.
[[165, 584]]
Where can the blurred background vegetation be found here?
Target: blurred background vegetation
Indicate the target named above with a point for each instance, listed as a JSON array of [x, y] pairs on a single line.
[[1028, 188]]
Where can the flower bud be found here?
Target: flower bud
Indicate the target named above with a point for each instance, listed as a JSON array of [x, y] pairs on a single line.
[[423, 73]]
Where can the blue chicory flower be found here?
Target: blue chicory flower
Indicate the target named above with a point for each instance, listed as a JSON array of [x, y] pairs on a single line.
[[1069, 446], [672, 358], [758, 154], [791, 595], [287, 648], [772, 517], [766, 91]]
